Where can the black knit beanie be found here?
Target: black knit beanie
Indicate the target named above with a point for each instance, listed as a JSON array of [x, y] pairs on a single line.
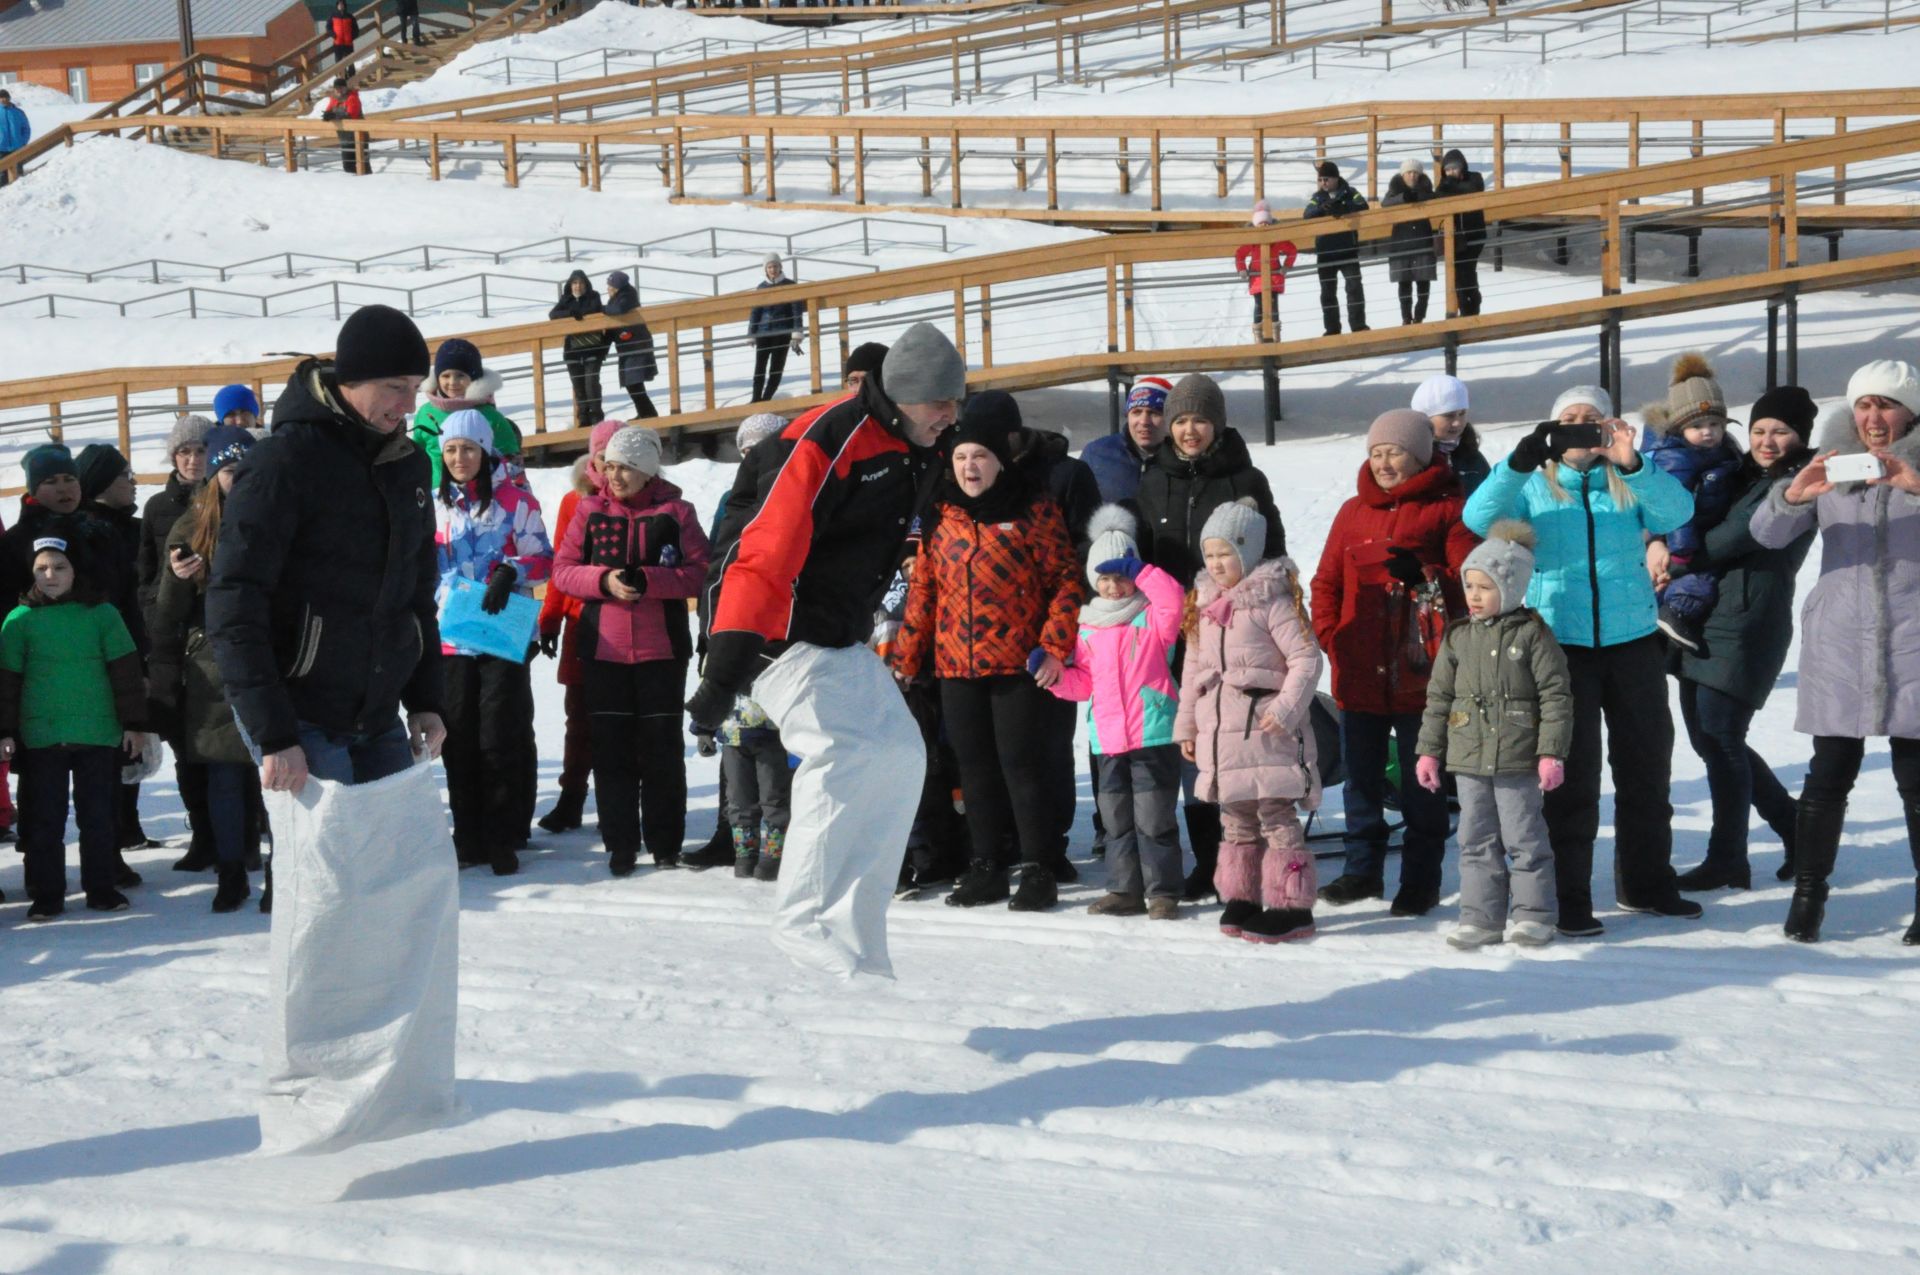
[[378, 341], [989, 419], [98, 465], [866, 358], [1791, 406]]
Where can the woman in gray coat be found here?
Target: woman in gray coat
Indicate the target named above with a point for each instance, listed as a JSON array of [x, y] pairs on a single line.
[[1410, 247], [1860, 629]]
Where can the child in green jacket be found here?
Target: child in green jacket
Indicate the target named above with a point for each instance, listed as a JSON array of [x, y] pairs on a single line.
[[1500, 717], [72, 704]]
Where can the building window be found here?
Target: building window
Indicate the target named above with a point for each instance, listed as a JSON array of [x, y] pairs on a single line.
[[9, 77], [77, 84], [144, 71]]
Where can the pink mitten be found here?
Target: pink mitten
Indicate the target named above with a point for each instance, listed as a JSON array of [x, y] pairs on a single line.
[[1427, 771], [1553, 773]]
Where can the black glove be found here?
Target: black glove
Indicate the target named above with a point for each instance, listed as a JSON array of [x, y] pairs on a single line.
[[1405, 567], [704, 744], [499, 588], [633, 579], [549, 645], [662, 541], [1534, 450], [709, 707]]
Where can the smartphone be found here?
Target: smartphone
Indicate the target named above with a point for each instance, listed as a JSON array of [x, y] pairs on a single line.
[[1567, 437], [1856, 468]]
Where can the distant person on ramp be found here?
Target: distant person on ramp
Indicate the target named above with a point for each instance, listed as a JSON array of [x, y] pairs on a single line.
[[797, 590]]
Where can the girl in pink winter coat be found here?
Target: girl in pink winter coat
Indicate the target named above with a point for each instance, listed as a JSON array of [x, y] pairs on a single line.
[[1245, 694], [1122, 666], [634, 554]]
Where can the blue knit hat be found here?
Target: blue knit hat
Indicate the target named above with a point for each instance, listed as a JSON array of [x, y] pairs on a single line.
[[234, 398], [48, 460], [226, 444]]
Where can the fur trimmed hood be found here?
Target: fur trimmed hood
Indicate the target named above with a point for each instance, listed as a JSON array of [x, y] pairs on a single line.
[[1273, 579], [480, 390], [1835, 433]]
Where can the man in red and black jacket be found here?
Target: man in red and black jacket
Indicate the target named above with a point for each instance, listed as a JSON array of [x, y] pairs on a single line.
[[792, 594], [344, 104]]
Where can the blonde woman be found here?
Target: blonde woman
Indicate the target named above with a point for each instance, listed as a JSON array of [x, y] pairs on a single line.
[[1593, 502]]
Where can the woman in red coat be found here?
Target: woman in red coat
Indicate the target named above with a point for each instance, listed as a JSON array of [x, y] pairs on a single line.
[[1389, 577]]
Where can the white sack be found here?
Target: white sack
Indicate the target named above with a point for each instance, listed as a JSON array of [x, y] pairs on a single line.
[[362, 987]]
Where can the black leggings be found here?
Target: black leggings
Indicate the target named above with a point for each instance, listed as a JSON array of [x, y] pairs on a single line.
[[1836, 764], [643, 408], [489, 721], [769, 363], [998, 728], [639, 753]]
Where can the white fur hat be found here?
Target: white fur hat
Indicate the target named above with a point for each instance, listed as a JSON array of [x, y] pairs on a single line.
[[1439, 395], [1592, 395], [1111, 533], [1887, 378]]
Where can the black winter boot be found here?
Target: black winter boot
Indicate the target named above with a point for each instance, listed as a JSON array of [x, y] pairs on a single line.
[[566, 812], [1037, 890], [721, 849], [1817, 846], [233, 890], [1203, 833], [621, 862], [198, 858], [985, 882], [1912, 937], [1789, 837], [1235, 916], [504, 861]]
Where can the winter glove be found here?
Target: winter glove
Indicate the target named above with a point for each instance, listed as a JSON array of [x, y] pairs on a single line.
[[661, 545], [709, 707], [549, 644], [1553, 773], [633, 578], [499, 588], [1404, 566], [1533, 451], [1427, 771], [1128, 565], [704, 744], [1035, 660]]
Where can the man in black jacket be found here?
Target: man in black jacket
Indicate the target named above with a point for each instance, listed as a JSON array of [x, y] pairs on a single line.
[[797, 586], [1337, 252], [1469, 229], [320, 607]]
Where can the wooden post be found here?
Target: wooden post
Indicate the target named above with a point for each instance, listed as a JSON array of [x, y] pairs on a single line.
[[1790, 220], [859, 167], [746, 164], [1566, 150], [1020, 163], [360, 152], [1439, 148], [1839, 170], [1113, 306], [583, 165], [846, 85], [845, 344], [1779, 125], [1059, 53], [593, 161], [679, 162], [1220, 168], [673, 365], [1697, 149], [540, 386], [953, 147], [1610, 251], [960, 319], [513, 160], [1126, 170], [1775, 221], [1053, 172], [292, 162], [1127, 301], [1633, 145], [1499, 152], [1153, 164], [125, 418], [926, 167], [813, 343], [986, 325], [833, 164], [1373, 152], [1259, 163], [955, 47], [1448, 246], [773, 191], [706, 359]]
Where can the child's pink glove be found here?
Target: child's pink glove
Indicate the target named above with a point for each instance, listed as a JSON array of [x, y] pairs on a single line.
[[1427, 771], [1553, 773]]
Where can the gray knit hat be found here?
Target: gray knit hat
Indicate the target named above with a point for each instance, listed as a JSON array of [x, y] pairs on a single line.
[[1693, 397], [636, 447], [1111, 533], [1239, 523], [923, 367], [1506, 555], [187, 430], [1410, 431], [757, 429], [1197, 395]]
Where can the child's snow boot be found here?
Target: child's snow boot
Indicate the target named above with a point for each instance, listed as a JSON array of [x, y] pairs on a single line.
[[772, 843], [746, 853], [1234, 917], [1278, 925], [566, 812]]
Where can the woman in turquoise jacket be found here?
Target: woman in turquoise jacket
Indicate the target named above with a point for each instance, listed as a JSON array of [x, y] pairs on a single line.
[[1593, 511]]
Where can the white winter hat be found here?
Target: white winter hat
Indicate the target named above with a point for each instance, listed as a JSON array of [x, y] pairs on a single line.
[[637, 447], [1111, 534], [470, 425], [1439, 395], [1410, 165], [1506, 556], [1593, 396], [1887, 378]]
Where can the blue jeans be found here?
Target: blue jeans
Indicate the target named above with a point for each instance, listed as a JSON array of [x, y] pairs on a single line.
[[1364, 740], [1737, 777], [356, 759]]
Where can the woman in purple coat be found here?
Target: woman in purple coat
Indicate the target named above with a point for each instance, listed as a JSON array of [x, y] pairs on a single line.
[[1860, 630]]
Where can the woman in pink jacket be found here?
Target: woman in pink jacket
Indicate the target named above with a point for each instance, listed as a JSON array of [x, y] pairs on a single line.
[[633, 554], [1122, 665], [1245, 694]]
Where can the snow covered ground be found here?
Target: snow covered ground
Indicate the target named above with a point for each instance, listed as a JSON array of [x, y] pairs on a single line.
[[648, 1086]]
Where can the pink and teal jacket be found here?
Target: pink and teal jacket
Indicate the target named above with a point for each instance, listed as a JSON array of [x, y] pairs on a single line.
[[472, 541], [1125, 671]]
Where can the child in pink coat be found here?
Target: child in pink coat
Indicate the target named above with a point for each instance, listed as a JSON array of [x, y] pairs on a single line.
[[1122, 666], [1245, 694]]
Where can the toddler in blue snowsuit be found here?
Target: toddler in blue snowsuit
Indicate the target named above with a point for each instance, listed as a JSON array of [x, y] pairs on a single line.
[[1687, 437]]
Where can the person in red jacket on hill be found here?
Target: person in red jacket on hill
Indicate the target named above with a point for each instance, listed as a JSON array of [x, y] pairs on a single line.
[[1280, 257], [1389, 578], [344, 104], [344, 29]]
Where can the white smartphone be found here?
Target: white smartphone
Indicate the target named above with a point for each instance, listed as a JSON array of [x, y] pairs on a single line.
[[1855, 468]]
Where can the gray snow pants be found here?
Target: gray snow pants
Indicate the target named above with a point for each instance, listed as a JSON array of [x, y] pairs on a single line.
[[1501, 817], [759, 785], [1137, 794]]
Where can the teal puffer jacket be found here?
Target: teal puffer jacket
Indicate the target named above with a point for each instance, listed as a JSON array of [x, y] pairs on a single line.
[[1590, 565]]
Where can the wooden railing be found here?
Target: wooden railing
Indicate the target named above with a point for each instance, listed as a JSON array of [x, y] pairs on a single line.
[[1098, 283]]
